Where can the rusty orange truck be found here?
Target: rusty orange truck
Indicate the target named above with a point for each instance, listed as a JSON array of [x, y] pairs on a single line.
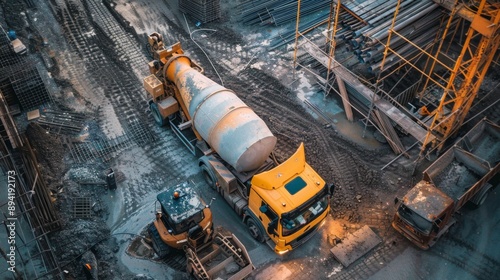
[[465, 173]]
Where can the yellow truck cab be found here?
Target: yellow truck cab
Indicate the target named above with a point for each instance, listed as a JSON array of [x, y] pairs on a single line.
[[291, 201]]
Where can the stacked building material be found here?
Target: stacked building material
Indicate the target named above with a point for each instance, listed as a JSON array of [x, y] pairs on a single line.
[[20, 80], [368, 25], [61, 122], [201, 10], [278, 12]]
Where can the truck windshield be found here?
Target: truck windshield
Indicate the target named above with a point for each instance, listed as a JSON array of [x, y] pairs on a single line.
[[411, 217], [293, 221]]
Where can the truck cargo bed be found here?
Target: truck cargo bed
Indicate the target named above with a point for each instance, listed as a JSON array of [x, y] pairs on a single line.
[[466, 167], [457, 173], [483, 141]]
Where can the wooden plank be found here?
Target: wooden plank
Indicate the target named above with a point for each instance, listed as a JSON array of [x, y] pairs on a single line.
[[215, 251], [355, 245], [396, 143], [345, 99]]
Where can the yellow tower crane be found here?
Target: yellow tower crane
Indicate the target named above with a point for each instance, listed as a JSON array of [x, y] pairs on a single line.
[[469, 70]]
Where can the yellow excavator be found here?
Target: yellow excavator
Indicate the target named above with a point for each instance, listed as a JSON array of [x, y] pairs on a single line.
[[282, 204], [184, 222], [182, 219]]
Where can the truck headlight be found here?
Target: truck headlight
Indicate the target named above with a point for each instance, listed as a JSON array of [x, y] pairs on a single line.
[[283, 252]]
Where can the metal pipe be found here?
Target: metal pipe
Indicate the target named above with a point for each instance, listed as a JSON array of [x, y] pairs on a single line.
[[405, 50], [408, 20], [402, 16], [388, 12]]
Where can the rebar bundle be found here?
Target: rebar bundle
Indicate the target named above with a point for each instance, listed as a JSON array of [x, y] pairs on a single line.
[[367, 32], [278, 12], [201, 10]]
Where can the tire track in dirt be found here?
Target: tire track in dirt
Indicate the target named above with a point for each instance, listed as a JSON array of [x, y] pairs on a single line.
[[80, 80], [286, 118], [369, 265], [125, 46], [465, 256], [166, 156]]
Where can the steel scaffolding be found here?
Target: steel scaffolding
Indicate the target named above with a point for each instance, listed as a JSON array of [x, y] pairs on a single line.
[[460, 87], [407, 45]]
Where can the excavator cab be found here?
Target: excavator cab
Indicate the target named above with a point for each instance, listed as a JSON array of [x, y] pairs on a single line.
[[182, 219]]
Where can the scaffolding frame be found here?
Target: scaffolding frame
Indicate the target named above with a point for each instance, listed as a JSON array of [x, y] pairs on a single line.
[[459, 85], [467, 74], [345, 79], [35, 215]]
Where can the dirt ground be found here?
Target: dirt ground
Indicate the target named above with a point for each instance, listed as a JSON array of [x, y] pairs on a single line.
[[99, 62]]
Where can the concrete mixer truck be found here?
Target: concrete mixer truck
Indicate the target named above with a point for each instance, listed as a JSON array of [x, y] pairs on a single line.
[[282, 204]]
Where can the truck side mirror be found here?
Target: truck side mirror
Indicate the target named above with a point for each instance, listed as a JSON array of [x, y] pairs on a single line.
[[331, 189], [263, 208], [271, 227], [396, 200]]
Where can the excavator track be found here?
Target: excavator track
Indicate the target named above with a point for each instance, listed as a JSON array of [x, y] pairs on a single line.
[[161, 249], [173, 258]]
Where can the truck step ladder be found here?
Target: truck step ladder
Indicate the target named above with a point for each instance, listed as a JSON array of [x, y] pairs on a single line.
[[197, 266], [231, 250]]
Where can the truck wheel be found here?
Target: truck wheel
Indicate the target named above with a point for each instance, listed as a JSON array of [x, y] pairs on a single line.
[[160, 121], [209, 176], [254, 230], [481, 200]]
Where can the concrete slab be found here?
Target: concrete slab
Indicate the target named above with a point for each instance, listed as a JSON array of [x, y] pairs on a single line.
[[355, 245], [35, 114]]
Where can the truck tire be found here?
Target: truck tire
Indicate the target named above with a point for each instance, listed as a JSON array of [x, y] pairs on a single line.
[[254, 230], [159, 120], [209, 176], [476, 205]]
